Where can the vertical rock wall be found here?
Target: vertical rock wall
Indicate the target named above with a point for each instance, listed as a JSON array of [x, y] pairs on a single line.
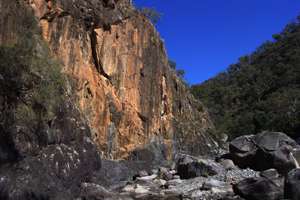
[[121, 77]]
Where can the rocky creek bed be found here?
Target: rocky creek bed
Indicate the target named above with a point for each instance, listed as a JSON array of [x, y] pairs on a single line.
[[255, 168]]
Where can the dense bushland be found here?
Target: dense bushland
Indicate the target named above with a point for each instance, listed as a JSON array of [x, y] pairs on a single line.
[[261, 91]]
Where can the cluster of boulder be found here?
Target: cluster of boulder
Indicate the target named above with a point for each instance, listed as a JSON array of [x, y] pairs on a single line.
[[274, 154], [264, 151], [255, 168]]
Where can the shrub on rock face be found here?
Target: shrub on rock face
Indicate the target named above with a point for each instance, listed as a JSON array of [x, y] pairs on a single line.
[[32, 90], [264, 151], [45, 145], [152, 14]]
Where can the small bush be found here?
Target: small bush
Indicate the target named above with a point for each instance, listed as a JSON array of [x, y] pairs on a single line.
[[152, 14], [180, 73], [172, 64]]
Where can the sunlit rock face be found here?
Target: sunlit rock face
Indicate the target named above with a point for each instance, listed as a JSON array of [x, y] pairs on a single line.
[[121, 77]]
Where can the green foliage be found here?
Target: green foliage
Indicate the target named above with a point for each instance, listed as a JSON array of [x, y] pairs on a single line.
[[261, 91], [180, 73], [172, 64], [152, 14], [31, 83]]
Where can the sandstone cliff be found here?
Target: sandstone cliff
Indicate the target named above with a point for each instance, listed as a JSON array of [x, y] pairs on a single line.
[[78, 77], [120, 76]]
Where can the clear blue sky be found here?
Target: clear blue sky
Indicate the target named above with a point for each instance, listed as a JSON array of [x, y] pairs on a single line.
[[205, 36]]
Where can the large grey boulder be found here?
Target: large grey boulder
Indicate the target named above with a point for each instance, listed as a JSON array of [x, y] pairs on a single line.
[[264, 151], [242, 150], [258, 188], [191, 167]]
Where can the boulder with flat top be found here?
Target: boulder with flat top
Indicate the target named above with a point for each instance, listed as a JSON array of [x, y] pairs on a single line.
[[264, 151]]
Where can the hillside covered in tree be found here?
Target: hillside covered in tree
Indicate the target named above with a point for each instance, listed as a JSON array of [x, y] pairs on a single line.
[[261, 91]]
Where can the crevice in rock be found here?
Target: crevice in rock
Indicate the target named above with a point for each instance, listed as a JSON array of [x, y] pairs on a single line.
[[97, 62], [110, 4], [52, 14], [143, 118], [8, 152], [107, 27]]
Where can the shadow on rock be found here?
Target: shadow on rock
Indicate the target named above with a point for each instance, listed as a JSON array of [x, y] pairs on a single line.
[[264, 151]]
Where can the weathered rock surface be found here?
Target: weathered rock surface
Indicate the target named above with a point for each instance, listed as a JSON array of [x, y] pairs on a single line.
[[292, 185], [50, 171], [227, 164], [131, 105], [269, 188], [191, 167], [121, 76], [46, 146], [121, 98], [264, 151]]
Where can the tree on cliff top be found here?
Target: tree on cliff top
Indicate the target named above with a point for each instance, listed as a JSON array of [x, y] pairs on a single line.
[[152, 14]]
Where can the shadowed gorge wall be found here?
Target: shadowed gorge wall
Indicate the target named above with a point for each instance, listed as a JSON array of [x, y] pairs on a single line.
[[121, 77]]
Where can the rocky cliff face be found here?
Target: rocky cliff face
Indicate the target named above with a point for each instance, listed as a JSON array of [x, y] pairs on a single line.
[[121, 77], [46, 148]]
